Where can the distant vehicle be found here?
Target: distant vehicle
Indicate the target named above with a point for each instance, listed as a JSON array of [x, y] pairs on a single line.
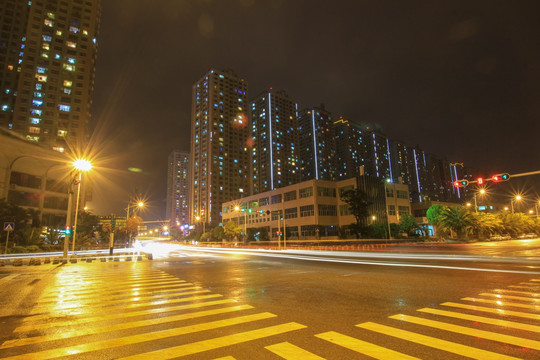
[[501, 237], [528, 236]]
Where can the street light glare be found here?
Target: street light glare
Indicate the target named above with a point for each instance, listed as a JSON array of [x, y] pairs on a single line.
[[82, 165]]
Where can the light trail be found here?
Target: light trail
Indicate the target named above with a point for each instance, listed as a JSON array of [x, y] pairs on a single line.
[[364, 262]]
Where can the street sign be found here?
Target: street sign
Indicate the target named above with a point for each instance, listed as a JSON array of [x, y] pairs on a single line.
[[9, 226]]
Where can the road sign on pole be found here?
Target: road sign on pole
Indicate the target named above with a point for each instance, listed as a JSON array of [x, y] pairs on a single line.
[[9, 226]]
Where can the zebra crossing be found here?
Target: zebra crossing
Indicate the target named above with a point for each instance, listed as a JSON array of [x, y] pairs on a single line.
[[131, 311]]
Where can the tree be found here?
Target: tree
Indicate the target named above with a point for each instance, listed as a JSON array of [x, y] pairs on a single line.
[[22, 218], [217, 234], [358, 204], [232, 230], [456, 219], [433, 214], [407, 224]]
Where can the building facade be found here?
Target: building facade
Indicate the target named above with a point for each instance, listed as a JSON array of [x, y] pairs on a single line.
[[178, 188], [48, 52], [36, 178], [314, 209], [220, 138], [317, 144], [275, 147]]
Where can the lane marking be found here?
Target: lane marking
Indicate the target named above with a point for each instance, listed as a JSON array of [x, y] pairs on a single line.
[[122, 315], [91, 307], [502, 303], [363, 347], [482, 319], [61, 292], [66, 333], [518, 292], [117, 295], [511, 297], [115, 309], [493, 311], [136, 339], [507, 339], [436, 343], [211, 344], [289, 351]]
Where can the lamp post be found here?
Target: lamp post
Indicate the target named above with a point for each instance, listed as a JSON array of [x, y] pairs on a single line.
[[517, 198], [139, 204], [80, 165], [198, 218], [237, 208]]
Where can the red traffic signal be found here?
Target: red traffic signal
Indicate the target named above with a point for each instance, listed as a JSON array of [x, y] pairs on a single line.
[[500, 177], [461, 183], [68, 230]]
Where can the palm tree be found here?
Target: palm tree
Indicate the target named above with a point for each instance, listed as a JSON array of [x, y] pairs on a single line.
[[456, 219]]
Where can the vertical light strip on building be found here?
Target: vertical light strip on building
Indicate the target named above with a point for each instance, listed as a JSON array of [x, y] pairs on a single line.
[[417, 176], [389, 159], [456, 177], [376, 156], [270, 141], [315, 144]]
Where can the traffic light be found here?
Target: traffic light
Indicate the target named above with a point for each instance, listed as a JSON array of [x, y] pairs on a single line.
[[500, 177], [480, 181], [461, 183], [68, 230]]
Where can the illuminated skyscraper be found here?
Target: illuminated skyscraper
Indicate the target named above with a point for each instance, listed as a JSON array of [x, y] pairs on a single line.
[[178, 188], [48, 53], [351, 142], [317, 144], [275, 141], [220, 137]]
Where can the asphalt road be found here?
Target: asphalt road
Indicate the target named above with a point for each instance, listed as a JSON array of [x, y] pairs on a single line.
[[431, 302]]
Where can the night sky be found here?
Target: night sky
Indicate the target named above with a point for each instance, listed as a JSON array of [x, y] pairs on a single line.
[[459, 78]]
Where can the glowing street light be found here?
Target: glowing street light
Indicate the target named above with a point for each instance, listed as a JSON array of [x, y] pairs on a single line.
[[516, 198], [80, 166], [138, 204]]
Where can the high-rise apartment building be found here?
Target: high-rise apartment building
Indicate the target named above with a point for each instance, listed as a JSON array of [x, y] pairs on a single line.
[[350, 144], [275, 141], [178, 188], [47, 62], [378, 153], [317, 144], [220, 138]]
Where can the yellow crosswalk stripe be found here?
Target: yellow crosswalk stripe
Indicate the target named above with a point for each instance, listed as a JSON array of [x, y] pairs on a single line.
[[482, 319], [363, 347], [522, 287], [529, 283], [508, 339], [494, 311], [120, 294], [64, 308], [511, 297], [67, 333], [122, 315], [503, 303], [65, 293], [216, 343], [226, 358], [115, 309], [289, 351], [531, 294], [135, 339], [436, 343]]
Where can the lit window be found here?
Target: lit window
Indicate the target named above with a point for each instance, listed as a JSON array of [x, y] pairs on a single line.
[[50, 15], [67, 83], [38, 94], [5, 107], [58, 32], [41, 70], [47, 38], [69, 67], [49, 22], [35, 112], [46, 46], [57, 56], [32, 138], [67, 91], [85, 32], [35, 121], [38, 86], [37, 102], [63, 107], [62, 133], [41, 78], [33, 130], [71, 44], [71, 60], [74, 29]]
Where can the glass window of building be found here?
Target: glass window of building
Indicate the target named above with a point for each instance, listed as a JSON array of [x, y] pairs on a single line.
[[305, 192]]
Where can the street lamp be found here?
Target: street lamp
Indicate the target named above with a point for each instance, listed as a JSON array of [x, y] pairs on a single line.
[[237, 208], [198, 218], [481, 192], [80, 166], [516, 198], [139, 204]]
